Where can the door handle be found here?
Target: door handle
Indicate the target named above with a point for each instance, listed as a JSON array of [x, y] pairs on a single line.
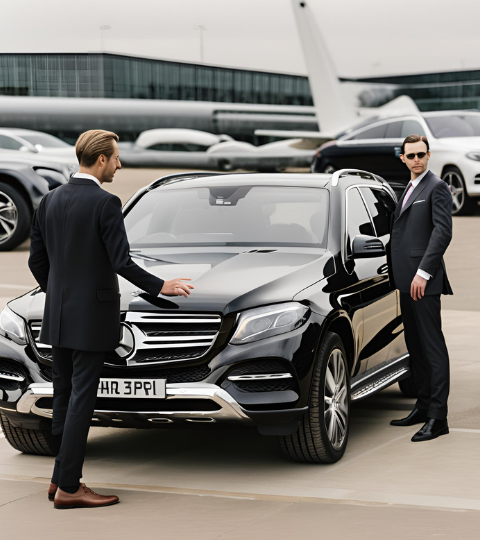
[[397, 151]]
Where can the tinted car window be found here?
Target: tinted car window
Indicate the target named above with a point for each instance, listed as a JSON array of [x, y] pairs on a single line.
[[454, 126], [9, 143], [230, 215], [411, 127], [381, 206], [358, 221], [377, 132], [178, 147], [394, 130]]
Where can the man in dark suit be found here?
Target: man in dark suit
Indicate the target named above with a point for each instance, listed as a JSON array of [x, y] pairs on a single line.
[[78, 246], [422, 230]]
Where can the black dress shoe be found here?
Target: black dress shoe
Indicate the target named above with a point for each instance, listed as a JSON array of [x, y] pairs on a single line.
[[417, 416], [431, 430]]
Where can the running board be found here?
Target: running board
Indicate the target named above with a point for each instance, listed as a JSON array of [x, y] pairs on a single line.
[[381, 377]]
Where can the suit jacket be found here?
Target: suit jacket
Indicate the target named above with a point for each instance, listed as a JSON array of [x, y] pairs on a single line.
[[421, 232], [78, 246]]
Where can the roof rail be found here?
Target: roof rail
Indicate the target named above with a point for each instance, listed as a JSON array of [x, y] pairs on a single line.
[[353, 172], [171, 178]]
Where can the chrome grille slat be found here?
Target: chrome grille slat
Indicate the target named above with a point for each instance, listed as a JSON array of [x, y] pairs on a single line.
[[157, 344]]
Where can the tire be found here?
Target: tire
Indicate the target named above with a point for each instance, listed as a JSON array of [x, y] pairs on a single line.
[[15, 218], [28, 441], [463, 204], [312, 442], [408, 387]]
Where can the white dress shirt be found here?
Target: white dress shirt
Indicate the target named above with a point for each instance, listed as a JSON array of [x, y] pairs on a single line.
[[415, 183]]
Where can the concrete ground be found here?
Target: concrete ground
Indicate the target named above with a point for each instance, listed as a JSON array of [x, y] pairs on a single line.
[[219, 482]]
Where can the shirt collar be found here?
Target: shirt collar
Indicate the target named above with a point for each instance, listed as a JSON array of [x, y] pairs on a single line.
[[88, 177], [419, 179]]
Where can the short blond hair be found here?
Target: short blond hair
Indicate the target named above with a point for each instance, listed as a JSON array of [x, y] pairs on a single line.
[[92, 144]]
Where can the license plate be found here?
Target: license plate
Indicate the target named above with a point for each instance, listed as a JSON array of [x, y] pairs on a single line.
[[132, 388]]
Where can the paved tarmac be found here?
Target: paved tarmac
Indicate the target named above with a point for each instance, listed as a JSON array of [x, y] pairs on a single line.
[[219, 482]]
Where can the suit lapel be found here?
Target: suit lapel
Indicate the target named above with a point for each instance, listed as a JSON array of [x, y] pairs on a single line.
[[416, 192], [398, 209]]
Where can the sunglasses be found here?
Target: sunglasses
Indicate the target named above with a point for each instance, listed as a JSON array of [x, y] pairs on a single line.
[[420, 155]]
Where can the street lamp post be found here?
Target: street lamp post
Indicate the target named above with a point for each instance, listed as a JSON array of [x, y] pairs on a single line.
[[201, 28], [102, 29]]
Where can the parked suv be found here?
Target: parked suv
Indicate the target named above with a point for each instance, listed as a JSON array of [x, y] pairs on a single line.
[[293, 314], [375, 145]]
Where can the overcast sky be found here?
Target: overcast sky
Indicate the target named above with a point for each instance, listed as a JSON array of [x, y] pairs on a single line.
[[365, 37]]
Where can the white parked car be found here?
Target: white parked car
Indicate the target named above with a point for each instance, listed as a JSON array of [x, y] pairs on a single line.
[[190, 148], [35, 142]]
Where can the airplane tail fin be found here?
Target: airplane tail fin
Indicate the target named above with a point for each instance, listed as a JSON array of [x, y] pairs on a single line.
[[334, 113]]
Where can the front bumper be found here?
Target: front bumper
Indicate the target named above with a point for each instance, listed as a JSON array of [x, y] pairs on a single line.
[[220, 406]]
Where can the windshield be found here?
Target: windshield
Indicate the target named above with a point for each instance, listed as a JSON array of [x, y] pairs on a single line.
[[48, 141], [230, 215], [467, 125]]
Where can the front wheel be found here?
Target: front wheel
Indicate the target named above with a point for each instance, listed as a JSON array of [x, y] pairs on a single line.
[[463, 204], [15, 218], [29, 441], [322, 434]]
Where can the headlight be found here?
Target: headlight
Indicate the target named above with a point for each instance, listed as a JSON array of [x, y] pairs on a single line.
[[13, 325], [474, 155], [263, 322]]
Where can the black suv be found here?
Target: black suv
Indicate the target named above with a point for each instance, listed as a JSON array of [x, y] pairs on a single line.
[[293, 314]]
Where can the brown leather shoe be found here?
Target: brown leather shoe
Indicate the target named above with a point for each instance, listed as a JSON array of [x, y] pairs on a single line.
[[52, 489], [83, 498]]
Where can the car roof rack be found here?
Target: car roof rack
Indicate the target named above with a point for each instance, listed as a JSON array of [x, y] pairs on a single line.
[[353, 172], [179, 177]]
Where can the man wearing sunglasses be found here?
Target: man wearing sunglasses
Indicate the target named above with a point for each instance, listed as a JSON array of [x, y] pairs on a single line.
[[421, 232]]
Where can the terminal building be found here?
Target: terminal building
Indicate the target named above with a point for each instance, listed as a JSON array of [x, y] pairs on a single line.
[[117, 76], [104, 75]]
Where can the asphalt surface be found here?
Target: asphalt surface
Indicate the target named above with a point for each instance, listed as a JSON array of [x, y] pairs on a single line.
[[218, 482]]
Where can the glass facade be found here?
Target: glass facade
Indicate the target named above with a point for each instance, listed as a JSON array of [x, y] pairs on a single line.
[[434, 91], [116, 76]]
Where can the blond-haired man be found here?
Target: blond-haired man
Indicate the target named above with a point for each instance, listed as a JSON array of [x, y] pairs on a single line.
[[78, 246]]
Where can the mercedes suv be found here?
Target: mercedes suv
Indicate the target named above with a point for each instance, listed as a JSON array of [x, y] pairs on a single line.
[[293, 314]]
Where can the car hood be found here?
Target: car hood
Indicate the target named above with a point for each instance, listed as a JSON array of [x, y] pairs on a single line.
[[226, 280], [460, 143]]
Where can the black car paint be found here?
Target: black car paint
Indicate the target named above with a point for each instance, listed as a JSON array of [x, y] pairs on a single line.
[[22, 176], [341, 294], [380, 157]]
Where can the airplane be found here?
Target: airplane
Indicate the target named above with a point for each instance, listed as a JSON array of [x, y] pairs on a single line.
[[335, 114]]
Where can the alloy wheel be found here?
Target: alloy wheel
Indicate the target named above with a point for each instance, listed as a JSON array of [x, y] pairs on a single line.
[[8, 217], [457, 189], [335, 399]]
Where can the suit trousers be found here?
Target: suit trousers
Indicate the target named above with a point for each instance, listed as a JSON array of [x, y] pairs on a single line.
[[76, 375], [428, 353]]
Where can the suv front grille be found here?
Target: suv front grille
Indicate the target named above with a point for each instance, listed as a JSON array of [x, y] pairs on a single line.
[[159, 338], [170, 337]]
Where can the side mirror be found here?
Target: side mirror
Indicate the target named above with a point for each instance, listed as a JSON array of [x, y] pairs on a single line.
[[367, 247]]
